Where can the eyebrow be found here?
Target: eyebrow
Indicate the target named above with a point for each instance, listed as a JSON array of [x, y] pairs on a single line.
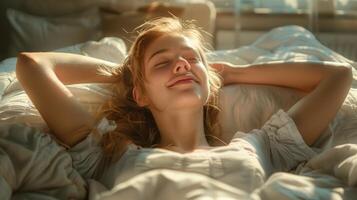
[[158, 52], [164, 50]]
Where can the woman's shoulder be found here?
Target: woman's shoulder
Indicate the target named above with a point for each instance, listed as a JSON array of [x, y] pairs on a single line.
[[90, 144], [279, 136], [279, 119], [279, 127]]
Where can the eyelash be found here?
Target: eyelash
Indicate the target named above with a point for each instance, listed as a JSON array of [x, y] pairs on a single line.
[[162, 63], [195, 60]]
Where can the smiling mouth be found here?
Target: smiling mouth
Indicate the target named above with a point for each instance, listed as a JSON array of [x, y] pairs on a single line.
[[184, 81]]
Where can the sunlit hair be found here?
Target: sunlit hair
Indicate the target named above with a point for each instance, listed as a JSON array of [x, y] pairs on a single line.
[[136, 124]]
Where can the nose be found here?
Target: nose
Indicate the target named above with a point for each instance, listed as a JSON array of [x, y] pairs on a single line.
[[182, 65]]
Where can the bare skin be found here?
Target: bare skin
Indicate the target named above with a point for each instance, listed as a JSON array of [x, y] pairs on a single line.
[[178, 109], [56, 104]]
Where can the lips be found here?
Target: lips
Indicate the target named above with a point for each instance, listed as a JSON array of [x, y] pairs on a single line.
[[180, 79]]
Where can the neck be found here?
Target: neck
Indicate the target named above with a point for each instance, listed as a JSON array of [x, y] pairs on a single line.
[[181, 131]]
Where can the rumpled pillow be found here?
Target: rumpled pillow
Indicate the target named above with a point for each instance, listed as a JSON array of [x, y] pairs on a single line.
[[35, 33]]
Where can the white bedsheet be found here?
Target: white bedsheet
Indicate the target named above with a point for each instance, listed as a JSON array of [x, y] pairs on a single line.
[[332, 174]]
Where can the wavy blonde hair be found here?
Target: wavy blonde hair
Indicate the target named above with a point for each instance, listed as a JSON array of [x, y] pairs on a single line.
[[136, 124]]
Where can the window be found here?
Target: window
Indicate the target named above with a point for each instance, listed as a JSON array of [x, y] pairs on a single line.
[[333, 22], [346, 6], [286, 6]]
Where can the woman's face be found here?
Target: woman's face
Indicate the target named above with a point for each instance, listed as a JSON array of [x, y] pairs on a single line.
[[176, 77]]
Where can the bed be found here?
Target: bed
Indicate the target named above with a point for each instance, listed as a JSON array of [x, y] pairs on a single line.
[[332, 174]]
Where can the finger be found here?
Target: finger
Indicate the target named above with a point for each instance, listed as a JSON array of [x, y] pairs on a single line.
[[217, 66]]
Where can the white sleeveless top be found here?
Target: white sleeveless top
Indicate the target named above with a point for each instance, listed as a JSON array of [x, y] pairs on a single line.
[[245, 163]]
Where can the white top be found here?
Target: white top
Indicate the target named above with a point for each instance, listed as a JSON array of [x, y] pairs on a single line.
[[245, 163]]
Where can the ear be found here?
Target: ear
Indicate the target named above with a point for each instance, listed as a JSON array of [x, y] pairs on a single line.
[[140, 99]]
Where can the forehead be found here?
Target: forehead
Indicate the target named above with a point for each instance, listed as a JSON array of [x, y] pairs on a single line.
[[170, 42]]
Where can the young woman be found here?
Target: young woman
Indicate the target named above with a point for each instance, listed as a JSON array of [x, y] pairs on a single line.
[[164, 109]]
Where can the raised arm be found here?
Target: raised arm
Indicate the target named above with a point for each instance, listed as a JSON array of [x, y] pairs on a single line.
[[43, 77], [326, 86]]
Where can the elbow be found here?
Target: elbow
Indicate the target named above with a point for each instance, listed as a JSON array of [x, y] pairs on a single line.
[[345, 71], [349, 68], [348, 72], [25, 57], [26, 62]]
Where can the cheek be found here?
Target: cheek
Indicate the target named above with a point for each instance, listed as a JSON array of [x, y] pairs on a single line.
[[157, 73], [154, 86]]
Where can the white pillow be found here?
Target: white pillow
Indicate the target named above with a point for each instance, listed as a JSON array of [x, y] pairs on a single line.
[[112, 49], [35, 33], [246, 106]]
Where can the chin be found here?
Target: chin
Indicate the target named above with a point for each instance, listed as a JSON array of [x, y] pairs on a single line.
[[188, 102]]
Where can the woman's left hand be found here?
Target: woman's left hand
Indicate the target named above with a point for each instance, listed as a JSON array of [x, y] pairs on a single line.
[[224, 69]]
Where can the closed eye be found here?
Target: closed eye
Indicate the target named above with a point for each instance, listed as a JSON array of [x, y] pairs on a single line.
[[162, 63]]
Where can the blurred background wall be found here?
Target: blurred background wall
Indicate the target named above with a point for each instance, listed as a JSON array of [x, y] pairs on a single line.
[[47, 24]]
